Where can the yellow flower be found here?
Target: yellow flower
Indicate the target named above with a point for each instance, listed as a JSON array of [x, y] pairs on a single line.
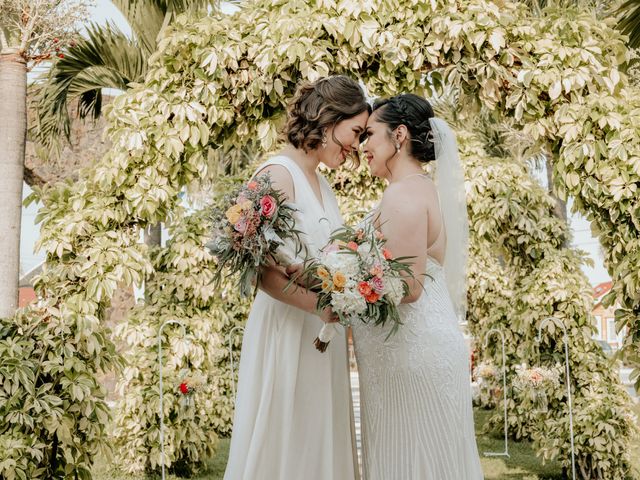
[[339, 280], [326, 285], [246, 205], [323, 273], [234, 213]]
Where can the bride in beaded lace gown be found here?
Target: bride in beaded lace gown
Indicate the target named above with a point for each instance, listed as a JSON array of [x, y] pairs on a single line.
[[417, 418]]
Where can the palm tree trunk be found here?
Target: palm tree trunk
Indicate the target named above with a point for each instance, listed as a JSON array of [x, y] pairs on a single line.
[[13, 131]]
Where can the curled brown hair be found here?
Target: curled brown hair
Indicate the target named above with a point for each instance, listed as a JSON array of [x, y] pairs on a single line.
[[319, 105]]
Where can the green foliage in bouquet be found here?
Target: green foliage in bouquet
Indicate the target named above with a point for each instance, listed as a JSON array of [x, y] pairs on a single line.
[[359, 278], [253, 227]]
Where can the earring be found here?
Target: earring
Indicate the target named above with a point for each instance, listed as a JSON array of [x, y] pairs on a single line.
[[324, 140], [397, 147]]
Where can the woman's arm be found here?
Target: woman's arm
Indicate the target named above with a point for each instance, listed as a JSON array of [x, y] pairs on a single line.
[[403, 221], [273, 279]]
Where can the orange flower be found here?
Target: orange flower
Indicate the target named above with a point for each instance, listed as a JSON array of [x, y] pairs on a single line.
[[326, 285], [352, 246], [364, 288], [323, 273], [252, 185], [373, 297], [339, 280], [386, 253]]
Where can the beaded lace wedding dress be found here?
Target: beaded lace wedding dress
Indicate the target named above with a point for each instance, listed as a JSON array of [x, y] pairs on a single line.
[[415, 394], [415, 391]]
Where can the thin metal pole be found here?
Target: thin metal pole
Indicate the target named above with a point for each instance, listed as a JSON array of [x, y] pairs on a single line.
[[504, 392], [568, 376]]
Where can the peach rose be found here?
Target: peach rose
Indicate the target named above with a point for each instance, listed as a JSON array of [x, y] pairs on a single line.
[[339, 280]]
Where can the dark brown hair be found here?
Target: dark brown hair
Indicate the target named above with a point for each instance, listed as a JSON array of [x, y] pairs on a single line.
[[321, 104], [413, 112]]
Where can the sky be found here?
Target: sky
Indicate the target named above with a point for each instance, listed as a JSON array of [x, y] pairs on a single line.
[[104, 11]]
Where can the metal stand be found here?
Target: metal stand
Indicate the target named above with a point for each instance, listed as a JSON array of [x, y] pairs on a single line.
[[568, 376], [184, 334], [504, 392]]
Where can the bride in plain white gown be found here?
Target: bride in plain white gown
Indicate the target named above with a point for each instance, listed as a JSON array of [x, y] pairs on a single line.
[[293, 419], [417, 417]]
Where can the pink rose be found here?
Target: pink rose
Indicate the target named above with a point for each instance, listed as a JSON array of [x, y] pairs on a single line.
[[267, 206], [377, 284]]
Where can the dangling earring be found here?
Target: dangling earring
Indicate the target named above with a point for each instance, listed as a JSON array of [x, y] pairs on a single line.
[[324, 140], [397, 147]]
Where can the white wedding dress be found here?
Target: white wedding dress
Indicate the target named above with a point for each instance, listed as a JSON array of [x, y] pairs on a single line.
[[293, 418], [415, 393]]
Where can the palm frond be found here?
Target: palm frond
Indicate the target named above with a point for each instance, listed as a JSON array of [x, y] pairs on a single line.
[[629, 22], [148, 17], [106, 58]]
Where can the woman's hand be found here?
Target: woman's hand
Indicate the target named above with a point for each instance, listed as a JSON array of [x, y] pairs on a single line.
[[294, 272], [329, 316]]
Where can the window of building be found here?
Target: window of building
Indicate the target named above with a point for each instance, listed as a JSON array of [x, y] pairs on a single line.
[[611, 330]]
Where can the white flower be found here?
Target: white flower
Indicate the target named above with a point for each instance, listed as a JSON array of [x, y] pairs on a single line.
[[349, 302], [341, 262], [394, 289]]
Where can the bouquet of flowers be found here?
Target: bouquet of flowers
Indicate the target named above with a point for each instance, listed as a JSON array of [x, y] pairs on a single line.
[[487, 390], [253, 227], [536, 377], [533, 383], [359, 279], [485, 371]]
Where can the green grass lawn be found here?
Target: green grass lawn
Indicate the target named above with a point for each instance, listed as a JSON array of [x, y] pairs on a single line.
[[522, 465]]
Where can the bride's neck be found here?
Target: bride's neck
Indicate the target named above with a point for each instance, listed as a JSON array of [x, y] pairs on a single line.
[[403, 168], [307, 161]]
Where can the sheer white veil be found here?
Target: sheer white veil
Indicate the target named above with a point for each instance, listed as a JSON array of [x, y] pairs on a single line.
[[449, 180]]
